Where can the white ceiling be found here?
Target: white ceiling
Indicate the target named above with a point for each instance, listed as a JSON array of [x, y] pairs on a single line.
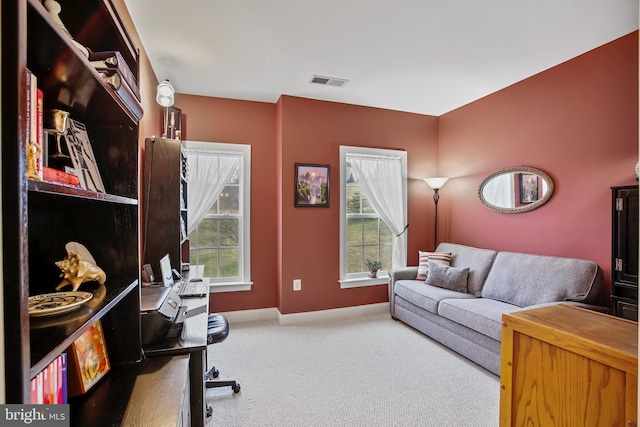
[[422, 56]]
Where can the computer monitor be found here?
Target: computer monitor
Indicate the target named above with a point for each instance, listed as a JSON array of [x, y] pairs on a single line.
[[166, 271]]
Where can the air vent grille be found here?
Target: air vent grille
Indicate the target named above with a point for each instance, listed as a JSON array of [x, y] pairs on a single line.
[[329, 81]]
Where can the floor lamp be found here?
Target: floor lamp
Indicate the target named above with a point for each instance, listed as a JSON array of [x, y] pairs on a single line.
[[436, 184]]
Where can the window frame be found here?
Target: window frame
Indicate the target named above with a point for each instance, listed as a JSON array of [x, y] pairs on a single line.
[[243, 281], [354, 280]]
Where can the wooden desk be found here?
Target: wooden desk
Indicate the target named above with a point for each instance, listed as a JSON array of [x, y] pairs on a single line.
[[163, 407], [149, 393], [567, 366], [192, 342]]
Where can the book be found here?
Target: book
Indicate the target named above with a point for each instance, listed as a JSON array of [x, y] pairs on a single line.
[[41, 161], [62, 386], [127, 96], [87, 361], [33, 390], [40, 385], [112, 62], [58, 176], [32, 136]]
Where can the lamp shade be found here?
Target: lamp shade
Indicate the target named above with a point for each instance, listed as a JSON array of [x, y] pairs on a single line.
[[436, 183], [164, 93]]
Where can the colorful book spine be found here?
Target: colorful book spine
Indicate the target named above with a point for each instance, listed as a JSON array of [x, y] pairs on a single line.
[[58, 176], [63, 376], [34, 132], [49, 386], [40, 131]]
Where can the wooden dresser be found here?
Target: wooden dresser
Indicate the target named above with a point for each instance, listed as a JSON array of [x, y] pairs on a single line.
[[567, 366]]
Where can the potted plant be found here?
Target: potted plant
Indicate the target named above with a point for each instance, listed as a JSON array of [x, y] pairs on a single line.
[[373, 266]]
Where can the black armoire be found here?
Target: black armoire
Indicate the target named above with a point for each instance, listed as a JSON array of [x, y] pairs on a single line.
[[624, 268], [164, 202]]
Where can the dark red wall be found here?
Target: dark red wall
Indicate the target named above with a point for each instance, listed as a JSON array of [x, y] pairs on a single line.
[[312, 132], [243, 122], [579, 123]]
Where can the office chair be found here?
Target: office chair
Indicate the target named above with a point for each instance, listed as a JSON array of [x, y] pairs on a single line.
[[217, 331]]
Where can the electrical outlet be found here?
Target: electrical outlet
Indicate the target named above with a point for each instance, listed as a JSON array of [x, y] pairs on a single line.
[[297, 284]]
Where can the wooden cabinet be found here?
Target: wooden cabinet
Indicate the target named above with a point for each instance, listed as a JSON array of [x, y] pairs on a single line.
[[39, 218], [624, 264], [165, 201], [567, 366]]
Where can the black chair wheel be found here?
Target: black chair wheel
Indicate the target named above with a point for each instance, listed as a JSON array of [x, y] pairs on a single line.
[[215, 374], [236, 389], [209, 410]]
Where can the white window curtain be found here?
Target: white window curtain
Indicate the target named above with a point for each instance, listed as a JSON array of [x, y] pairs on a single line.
[[380, 178], [208, 172]]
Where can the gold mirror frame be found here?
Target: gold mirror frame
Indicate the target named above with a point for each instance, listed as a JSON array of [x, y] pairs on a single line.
[[520, 209]]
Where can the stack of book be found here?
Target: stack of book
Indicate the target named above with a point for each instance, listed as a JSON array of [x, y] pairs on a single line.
[[117, 74], [34, 130], [49, 387]]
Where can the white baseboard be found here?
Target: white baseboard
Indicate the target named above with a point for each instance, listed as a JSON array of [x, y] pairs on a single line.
[[306, 317]]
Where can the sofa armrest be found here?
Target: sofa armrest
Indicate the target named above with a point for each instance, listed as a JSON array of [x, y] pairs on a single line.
[[406, 273]]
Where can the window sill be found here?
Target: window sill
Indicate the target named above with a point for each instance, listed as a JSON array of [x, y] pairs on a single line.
[[363, 281], [229, 287]]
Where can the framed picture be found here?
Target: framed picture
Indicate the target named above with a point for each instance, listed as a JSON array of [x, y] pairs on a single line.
[[87, 360], [528, 188], [311, 185], [81, 153]]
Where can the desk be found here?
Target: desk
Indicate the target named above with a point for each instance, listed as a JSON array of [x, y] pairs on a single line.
[[567, 366], [193, 342]]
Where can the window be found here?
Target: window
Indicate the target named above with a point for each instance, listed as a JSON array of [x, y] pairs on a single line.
[[373, 213], [218, 193]]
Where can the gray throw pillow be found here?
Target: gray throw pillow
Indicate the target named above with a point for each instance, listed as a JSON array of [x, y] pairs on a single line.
[[444, 276]]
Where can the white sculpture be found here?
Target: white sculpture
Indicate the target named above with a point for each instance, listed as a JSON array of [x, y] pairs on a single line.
[[79, 267]]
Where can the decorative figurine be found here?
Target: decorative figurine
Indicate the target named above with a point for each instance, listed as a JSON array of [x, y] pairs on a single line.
[[33, 154], [79, 267]]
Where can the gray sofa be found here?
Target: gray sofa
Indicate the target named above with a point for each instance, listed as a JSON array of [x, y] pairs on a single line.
[[470, 323]]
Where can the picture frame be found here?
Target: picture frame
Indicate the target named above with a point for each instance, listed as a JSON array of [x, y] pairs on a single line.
[[82, 157], [311, 185], [87, 360], [528, 184]]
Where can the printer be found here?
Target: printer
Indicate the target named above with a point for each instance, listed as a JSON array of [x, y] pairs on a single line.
[[162, 315]]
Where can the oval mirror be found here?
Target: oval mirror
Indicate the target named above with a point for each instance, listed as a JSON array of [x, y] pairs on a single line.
[[516, 190]]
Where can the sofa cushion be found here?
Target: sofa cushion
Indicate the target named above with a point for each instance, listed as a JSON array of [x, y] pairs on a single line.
[[478, 260], [423, 261], [423, 295], [444, 276], [526, 279], [480, 314]]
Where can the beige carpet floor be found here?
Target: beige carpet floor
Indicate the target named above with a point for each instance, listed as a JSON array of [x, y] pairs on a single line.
[[366, 371]]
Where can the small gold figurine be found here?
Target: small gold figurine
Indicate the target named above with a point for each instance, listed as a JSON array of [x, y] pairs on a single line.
[[33, 155]]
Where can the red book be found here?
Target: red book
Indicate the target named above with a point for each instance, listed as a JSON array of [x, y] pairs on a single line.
[[33, 397], [53, 383], [46, 387], [55, 175], [39, 383]]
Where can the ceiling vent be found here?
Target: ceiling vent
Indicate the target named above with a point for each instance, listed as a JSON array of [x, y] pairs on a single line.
[[328, 81]]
